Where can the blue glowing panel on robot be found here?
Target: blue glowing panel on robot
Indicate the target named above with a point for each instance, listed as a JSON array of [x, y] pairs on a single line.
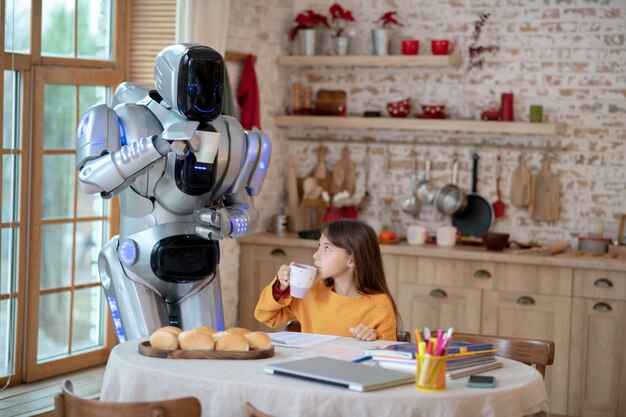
[[184, 258], [201, 84]]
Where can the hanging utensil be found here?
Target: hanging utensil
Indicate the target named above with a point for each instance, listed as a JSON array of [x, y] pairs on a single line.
[[426, 190], [521, 184], [498, 206], [450, 199], [411, 204], [477, 217]]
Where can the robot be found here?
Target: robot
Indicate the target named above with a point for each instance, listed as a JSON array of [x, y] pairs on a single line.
[[186, 177]]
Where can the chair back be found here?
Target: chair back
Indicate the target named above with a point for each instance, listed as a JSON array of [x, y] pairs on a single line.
[[66, 404], [537, 353], [294, 326]]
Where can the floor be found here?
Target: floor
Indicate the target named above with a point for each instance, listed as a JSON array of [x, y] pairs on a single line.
[[37, 398]]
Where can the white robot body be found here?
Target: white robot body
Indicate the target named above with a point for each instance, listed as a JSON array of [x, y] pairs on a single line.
[[183, 185]]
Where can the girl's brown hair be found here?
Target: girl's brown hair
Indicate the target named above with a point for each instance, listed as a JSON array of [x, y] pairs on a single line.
[[361, 242]]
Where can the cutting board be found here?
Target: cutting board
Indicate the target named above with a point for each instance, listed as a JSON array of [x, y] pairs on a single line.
[[521, 185], [146, 350], [546, 199], [343, 175]]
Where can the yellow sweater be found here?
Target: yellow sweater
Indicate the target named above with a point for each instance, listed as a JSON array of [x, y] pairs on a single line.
[[323, 311]]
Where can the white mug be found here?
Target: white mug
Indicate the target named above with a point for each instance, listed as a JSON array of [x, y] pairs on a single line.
[[446, 236], [301, 277], [416, 235]]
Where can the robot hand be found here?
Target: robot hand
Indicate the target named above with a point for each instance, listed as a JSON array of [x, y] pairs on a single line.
[[213, 224]]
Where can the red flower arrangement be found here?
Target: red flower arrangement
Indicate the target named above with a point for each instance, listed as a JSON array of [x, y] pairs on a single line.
[[388, 19], [339, 16], [308, 20]]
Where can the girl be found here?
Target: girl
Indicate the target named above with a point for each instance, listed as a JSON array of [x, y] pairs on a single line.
[[349, 296]]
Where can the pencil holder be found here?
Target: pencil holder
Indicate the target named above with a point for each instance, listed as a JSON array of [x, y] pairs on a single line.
[[431, 373]]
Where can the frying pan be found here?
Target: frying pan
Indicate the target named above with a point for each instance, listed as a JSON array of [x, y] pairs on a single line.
[[477, 217], [449, 199]]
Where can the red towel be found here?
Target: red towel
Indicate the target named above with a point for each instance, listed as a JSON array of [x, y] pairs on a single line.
[[248, 96]]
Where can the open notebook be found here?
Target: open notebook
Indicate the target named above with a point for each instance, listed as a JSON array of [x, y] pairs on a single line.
[[354, 376]]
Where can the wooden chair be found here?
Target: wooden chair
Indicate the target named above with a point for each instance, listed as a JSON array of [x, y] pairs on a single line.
[[66, 404], [537, 353], [294, 326]]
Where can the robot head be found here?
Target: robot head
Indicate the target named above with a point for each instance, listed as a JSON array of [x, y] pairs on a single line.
[[190, 78]]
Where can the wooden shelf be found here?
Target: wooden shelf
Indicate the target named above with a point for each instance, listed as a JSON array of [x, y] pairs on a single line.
[[371, 60], [442, 125]]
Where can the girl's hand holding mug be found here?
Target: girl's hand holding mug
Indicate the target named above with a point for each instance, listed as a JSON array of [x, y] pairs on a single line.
[[283, 276], [363, 332]]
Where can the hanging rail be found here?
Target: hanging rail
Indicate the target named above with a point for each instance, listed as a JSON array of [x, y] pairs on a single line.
[[370, 141]]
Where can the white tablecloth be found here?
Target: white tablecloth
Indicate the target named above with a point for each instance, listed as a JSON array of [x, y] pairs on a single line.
[[223, 386]]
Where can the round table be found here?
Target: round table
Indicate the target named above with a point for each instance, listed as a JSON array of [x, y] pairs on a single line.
[[223, 387]]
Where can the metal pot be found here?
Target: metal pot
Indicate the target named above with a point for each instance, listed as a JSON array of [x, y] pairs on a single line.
[[449, 198], [425, 189]]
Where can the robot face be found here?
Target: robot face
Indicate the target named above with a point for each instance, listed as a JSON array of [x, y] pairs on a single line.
[[200, 84]]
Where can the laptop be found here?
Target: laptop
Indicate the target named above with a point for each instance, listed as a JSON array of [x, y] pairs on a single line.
[[354, 376]]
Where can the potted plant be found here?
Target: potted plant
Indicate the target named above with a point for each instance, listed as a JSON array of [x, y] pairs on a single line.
[[339, 18], [304, 29], [380, 35]]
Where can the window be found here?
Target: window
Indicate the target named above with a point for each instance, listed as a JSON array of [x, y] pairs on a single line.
[[51, 232]]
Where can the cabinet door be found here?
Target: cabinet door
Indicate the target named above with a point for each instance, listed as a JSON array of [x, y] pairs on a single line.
[[258, 265], [534, 316], [439, 307], [598, 358]]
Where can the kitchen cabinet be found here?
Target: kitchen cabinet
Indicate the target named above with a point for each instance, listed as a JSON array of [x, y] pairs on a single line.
[[598, 344], [259, 264], [580, 304]]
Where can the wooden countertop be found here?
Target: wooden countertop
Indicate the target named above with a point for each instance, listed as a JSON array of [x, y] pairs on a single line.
[[467, 253]]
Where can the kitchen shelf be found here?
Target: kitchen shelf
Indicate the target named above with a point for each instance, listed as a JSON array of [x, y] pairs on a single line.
[[371, 60], [441, 125]]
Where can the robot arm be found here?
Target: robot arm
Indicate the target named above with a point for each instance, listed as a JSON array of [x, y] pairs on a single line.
[[105, 165], [239, 216]]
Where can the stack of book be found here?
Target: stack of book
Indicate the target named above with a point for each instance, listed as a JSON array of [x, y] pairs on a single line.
[[463, 358]]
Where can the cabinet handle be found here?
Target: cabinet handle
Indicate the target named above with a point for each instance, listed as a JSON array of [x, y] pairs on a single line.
[[278, 252], [526, 300], [603, 283], [482, 273], [439, 293], [602, 306]]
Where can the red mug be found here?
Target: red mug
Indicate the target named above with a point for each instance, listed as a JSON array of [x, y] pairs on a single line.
[[440, 46], [410, 46]]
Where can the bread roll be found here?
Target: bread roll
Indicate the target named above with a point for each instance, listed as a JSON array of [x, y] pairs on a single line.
[[172, 329], [238, 330], [218, 335], [196, 340], [258, 340], [162, 339], [232, 342], [204, 329]]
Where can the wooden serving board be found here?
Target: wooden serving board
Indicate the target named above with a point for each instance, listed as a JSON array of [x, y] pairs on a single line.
[[147, 350]]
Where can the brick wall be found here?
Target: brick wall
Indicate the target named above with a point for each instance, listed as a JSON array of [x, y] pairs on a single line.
[[567, 56]]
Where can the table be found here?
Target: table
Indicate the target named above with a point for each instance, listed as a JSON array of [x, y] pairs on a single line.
[[223, 386]]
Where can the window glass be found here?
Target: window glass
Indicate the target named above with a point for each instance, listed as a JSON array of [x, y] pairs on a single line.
[[10, 188], [60, 117], [8, 311], [57, 28], [54, 325], [17, 26], [90, 95], [58, 187], [94, 29], [56, 255], [90, 238], [87, 317], [10, 124], [8, 266]]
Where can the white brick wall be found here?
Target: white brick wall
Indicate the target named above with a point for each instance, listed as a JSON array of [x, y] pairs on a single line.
[[567, 55]]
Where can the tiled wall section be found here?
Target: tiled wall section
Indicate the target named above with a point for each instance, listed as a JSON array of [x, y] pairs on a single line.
[[567, 55]]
